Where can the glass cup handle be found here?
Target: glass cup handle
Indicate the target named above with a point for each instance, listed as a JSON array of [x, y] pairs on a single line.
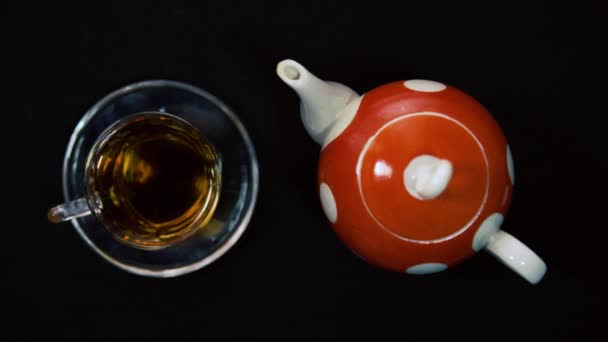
[[68, 211]]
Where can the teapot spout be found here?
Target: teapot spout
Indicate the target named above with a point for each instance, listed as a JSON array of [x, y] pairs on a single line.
[[322, 102]]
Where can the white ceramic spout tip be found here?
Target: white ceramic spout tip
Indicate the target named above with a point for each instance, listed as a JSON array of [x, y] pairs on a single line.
[[290, 71], [323, 105]]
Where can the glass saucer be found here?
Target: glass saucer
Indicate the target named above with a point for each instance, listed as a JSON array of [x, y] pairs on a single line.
[[220, 126]]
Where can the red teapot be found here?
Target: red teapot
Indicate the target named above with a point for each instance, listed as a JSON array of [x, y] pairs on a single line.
[[415, 176]]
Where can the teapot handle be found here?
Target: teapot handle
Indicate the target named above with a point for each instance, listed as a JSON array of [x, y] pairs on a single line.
[[516, 256]]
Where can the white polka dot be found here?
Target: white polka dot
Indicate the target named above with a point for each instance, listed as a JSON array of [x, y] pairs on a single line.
[[510, 165], [431, 267], [424, 86], [328, 202], [488, 228]]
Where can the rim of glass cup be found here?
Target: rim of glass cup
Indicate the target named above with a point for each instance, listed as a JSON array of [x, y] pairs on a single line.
[[90, 196], [246, 218]]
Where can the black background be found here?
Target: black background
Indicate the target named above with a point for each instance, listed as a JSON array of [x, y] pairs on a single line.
[[539, 69]]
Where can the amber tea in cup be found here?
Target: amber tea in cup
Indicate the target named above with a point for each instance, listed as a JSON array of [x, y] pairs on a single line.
[[151, 179]]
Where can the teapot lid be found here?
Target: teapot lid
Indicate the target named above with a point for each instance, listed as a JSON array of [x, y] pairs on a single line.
[[406, 148]]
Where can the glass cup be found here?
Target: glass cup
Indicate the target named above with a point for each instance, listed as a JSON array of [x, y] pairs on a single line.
[[151, 179], [226, 187]]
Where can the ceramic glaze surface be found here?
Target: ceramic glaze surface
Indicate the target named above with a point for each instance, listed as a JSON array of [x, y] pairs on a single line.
[[385, 224]]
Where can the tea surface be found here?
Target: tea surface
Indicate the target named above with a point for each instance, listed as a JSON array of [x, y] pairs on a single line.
[[155, 178]]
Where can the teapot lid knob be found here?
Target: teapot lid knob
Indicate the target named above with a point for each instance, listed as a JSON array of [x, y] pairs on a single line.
[[427, 176]]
